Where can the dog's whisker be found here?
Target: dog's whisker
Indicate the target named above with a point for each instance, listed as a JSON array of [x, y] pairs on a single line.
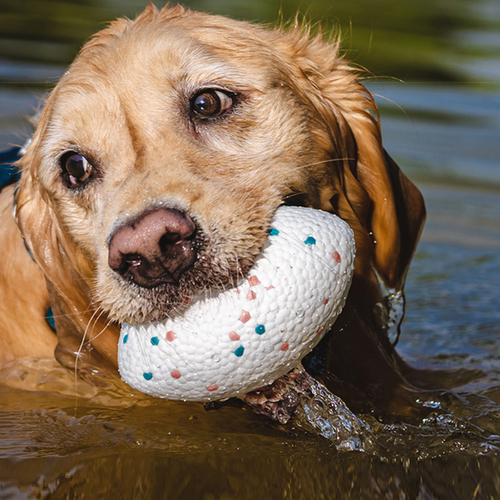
[[104, 328], [329, 160], [98, 313]]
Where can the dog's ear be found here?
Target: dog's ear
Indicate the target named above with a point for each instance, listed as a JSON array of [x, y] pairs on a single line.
[[67, 271], [44, 237], [384, 208]]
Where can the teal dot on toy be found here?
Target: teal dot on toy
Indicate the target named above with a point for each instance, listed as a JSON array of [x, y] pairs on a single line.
[[239, 352], [147, 376], [260, 329], [310, 241], [125, 339], [155, 340], [274, 232]]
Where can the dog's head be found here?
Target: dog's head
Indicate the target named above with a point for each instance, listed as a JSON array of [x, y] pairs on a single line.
[[162, 154]]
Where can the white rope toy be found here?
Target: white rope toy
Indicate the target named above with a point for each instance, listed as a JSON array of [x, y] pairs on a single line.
[[238, 340]]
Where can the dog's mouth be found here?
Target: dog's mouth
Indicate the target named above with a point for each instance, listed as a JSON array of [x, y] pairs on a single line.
[[165, 258], [160, 271]]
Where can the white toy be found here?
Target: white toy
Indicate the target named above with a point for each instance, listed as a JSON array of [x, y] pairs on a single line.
[[238, 340]]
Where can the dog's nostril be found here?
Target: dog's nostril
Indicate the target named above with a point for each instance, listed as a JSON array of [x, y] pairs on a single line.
[[154, 250], [170, 239], [133, 261]]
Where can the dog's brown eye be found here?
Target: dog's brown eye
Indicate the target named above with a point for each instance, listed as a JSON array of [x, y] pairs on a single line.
[[76, 167], [210, 103]]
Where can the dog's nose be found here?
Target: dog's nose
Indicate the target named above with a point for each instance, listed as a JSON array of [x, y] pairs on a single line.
[[155, 249]]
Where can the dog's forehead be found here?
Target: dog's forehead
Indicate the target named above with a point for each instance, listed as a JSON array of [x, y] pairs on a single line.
[[144, 73], [243, 57]]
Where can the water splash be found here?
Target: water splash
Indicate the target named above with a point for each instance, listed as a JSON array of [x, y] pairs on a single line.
[[391, 311], [324, 413], [307, 404], [396, 303]]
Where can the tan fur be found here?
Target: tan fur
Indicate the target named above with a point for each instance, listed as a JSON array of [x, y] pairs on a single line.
[[304, 126], [23, 298]]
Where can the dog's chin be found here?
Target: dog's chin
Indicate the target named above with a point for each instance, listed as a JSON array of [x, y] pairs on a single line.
[[137, 305]]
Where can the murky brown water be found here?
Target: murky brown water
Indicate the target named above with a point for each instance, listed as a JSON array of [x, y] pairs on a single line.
[[117, 444]]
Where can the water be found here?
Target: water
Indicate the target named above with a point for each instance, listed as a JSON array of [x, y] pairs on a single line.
[[321, 412], [442, 125]]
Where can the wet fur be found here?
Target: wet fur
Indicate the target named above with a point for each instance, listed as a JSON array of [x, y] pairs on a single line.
[[304, 130]]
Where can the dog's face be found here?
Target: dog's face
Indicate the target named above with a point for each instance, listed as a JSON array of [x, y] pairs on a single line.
[[162, 154], [181, 119]]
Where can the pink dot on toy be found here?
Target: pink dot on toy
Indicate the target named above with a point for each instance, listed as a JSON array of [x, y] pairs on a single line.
[[337, 258], [234, 336], [251, 295], [212, 387], [245, 316], [284, 346], [171, 335], [175, 374], [253, 280]]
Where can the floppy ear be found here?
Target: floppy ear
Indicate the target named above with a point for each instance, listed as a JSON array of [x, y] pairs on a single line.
[[383, 207], [66, 270]]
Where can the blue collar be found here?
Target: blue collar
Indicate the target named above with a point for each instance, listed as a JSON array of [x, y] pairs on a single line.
[[9, 173]]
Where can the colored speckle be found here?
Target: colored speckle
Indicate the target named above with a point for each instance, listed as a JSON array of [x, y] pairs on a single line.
[[245, 316], [234, 336], [239, 352], [175, 374], [212, 387], [171, 336], [310, 241], [125, 339], [155, 340], [253, 280], [336, 257], [274, 232], [270, 287], [251, 295], [325, 302], [260, 329], [284, 346], [321, 328], [147, 376]]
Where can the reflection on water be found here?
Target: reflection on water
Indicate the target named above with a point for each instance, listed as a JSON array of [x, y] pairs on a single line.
[[105, 440], [120, 444]]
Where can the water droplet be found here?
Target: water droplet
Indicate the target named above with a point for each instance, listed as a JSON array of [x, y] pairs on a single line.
[[215, 358], [396, 311]]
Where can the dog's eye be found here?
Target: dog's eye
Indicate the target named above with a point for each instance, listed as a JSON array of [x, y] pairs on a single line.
[[210, 103], [76, 167]]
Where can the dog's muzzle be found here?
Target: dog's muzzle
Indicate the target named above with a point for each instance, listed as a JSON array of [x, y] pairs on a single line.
[[155, 249]]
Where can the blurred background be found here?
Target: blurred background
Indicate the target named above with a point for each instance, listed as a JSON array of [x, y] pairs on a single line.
[[434, 67]]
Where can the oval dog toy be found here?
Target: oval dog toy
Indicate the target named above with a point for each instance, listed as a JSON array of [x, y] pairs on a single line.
[[234, 341]]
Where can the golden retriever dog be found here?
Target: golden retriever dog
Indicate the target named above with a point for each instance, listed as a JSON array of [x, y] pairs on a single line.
[[155, 169]]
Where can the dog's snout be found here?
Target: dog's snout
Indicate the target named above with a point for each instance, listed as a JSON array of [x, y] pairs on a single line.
[[154, 250]]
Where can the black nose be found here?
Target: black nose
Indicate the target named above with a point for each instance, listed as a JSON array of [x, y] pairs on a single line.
[[155, 249]]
